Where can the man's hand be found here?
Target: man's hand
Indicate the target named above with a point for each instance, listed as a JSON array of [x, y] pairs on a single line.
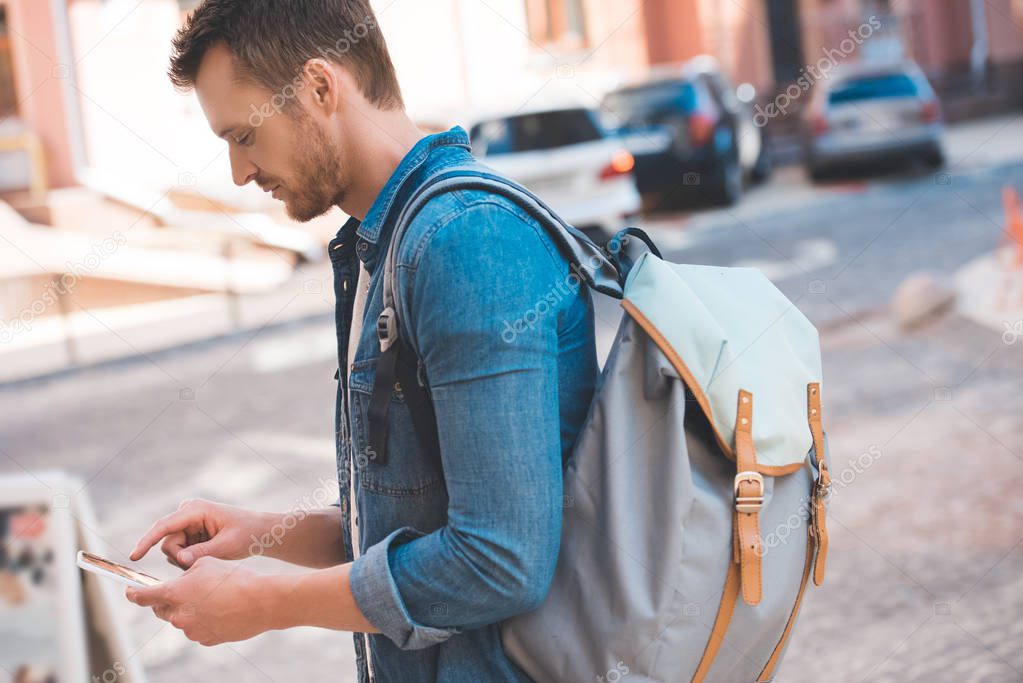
[[213, 602], [200, 528]]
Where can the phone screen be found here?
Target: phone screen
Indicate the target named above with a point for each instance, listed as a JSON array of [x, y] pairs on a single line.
[[117, 569]]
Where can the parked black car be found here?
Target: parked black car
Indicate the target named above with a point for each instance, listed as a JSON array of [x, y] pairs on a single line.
[[689, 131]]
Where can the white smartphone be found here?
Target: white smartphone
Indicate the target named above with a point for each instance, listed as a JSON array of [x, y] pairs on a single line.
[[117, 572]]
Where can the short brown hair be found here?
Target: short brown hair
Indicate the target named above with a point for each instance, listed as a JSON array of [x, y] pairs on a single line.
[[272, 40]]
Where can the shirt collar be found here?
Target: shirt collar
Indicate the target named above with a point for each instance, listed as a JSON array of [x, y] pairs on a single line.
[[371, 227]]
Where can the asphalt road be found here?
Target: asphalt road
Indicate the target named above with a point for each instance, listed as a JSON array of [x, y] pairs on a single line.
[[853, 241], [248, 420]]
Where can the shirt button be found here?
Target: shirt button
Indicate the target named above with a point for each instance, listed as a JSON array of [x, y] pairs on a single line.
[[363, 247]]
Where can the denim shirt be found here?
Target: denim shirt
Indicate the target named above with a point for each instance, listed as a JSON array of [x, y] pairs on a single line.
[[450, 548]]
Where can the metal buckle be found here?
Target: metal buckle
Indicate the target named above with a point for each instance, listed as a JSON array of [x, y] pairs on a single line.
[[822, 486], [387, 329], [749, 503]]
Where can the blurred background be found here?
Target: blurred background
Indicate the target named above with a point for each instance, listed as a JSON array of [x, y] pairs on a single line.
[[165, 334]]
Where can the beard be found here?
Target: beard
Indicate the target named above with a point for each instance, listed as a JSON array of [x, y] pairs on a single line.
[[318, 170]]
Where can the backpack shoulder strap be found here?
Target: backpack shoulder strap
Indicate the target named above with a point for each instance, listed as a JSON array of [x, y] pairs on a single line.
[[600, 268]]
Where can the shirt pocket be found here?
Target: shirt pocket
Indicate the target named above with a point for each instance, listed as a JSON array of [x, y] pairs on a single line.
[[408, 471]]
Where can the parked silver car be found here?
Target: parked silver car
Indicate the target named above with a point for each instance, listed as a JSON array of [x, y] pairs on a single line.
[[867, 113]]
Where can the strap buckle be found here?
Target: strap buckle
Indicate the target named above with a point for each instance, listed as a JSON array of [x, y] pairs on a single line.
[[387, 329], [749, 503], [822, 487]]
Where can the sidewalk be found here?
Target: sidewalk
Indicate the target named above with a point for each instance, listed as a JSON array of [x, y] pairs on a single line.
[[87, 338], [923, 579]]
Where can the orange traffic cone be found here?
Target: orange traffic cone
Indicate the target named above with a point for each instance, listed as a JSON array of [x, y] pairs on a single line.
[[1013, 237], [1013, 234]]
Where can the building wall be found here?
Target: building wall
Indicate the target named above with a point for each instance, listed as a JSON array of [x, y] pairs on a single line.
[[472, 58], [40, 72], [735, 33], [136, 126], [1005, 30], [938, 34], [484, 57]]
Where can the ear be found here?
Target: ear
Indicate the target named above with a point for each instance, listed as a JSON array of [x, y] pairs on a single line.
[[324, 85]]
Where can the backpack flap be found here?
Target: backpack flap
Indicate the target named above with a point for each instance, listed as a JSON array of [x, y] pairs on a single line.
[[726, 330]]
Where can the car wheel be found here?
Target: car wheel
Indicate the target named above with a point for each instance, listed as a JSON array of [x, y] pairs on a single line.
[[761, 172], [935, 157], [816, 172], [727, 187]]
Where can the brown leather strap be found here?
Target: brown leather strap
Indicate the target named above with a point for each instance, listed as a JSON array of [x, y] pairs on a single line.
[[818, 517], [717, 633], [749, 498]]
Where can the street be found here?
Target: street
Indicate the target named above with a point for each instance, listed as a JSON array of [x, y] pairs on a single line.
[[925, 429]]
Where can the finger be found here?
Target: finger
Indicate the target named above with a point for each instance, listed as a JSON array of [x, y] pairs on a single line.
[[172, 545], [150, 596], [169, 524], [162, 612], [199, 536], [190, 554]]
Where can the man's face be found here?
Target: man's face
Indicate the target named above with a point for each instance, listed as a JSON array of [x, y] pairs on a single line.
[[272, 139]]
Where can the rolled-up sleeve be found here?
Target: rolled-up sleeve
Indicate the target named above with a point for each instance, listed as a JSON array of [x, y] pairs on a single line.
[[483, 304], [377, 594]]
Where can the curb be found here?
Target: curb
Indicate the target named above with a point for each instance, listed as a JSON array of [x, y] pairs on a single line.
[[184, 347]]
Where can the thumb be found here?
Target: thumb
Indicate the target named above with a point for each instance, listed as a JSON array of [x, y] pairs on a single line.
[[188, 555]]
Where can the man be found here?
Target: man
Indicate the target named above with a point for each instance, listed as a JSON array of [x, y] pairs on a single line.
[[426, 555]]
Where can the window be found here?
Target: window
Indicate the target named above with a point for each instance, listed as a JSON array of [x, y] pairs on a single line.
[[8, 93], [653, 103], [873, 88], [535, 132], [558, 23]]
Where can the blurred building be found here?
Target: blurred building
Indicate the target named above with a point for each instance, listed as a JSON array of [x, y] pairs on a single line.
[[114, 191], [510, 54], [971, 50], [82, 82]]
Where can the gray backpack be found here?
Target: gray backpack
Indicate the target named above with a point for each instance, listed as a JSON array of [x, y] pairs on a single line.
[[694, 501]]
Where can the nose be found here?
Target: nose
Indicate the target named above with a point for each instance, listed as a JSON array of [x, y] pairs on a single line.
[[242, 170]]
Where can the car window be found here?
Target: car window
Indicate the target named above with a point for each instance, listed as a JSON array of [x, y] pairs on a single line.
[[723, 91], [651, 103], [535, 132], [719, 91], [873, 87]]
